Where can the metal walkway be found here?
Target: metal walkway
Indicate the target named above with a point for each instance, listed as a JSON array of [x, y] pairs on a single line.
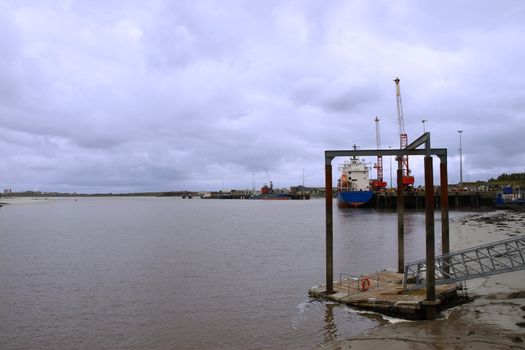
[[485, 260]]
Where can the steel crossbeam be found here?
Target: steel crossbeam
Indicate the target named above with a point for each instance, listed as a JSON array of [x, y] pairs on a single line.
[[485, 260]]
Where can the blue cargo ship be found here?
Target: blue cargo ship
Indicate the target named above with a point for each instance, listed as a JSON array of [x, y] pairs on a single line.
[[353, 187]]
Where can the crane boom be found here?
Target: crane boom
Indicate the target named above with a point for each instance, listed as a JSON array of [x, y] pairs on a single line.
[[403, 138], [378, 183], [378, 136], [400, 117]]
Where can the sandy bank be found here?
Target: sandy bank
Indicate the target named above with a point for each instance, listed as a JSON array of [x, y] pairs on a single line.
[[34, 200], [22, 200], [494, 320]]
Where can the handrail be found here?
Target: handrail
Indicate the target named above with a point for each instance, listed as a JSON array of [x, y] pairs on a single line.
[[484, 260], [374, 277], [351, 279]]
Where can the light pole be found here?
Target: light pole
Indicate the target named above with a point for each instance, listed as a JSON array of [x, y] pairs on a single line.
[[423, 122], [390, 158], [303, 179], [460, 160], [253, 183]]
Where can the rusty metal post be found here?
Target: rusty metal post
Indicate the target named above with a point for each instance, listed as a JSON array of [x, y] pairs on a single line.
[[430, 302], [329, 228], [445, 237], [400, 219]]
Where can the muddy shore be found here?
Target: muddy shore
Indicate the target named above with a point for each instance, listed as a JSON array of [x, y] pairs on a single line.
[[495, 319]]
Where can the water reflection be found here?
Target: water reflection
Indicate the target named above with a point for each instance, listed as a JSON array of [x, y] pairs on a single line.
[[330, 328], [410, 223]]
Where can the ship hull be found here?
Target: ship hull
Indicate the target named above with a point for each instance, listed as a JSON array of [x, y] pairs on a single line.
[[353, 198]]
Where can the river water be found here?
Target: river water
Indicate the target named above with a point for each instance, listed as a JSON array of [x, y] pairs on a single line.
[[171, 273]]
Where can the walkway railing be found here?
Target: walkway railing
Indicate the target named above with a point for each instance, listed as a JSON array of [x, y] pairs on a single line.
[[485, 260], [362, 283]]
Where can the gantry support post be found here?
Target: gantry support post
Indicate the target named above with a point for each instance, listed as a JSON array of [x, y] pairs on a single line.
[[400, 219], [445, 237], [430, 302], [329, 227]]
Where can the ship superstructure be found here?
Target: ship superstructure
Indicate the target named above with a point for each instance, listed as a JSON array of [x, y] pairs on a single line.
[[353, 187]]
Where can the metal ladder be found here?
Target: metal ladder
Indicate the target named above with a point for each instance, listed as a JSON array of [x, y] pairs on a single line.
[[484, 260]]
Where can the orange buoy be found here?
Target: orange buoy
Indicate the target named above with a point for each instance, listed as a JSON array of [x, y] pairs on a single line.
[[365, 284]]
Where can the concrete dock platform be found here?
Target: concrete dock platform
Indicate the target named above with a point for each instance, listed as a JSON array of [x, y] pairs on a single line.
[[383, 292]]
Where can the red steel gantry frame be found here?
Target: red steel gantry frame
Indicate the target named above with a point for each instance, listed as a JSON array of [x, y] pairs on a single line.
[[431, 301]]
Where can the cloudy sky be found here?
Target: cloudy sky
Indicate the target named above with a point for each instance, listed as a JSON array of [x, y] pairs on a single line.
[[120, 96]]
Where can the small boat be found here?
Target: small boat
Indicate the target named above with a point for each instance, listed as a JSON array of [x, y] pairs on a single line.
[[268, 193], [510, 197], [353, 187]]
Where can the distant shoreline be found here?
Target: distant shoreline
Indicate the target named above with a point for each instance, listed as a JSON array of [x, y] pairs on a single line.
[[130, 194]]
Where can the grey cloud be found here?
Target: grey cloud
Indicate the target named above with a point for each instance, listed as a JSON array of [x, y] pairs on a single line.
[[98, 96], [333, 96]]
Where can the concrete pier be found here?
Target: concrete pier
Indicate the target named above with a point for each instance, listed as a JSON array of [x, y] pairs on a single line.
[[383, 292]]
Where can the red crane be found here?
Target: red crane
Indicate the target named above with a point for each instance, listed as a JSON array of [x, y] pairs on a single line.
[[403, 139], [378, 184]]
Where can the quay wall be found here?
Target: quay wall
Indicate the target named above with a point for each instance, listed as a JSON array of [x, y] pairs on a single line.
[[416, 200]]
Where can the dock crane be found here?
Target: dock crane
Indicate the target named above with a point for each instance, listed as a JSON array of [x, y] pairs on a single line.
[[408, 180], [265, 189], [378, 184]]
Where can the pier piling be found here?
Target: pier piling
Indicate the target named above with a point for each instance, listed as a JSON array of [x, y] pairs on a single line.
[[329, 228], [430, 240], [445, 237], [400, 218]]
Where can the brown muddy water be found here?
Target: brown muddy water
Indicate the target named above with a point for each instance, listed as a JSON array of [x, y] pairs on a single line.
[[166, 273]]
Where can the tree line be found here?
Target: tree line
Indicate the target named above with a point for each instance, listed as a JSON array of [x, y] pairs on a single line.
[[509, 177]]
